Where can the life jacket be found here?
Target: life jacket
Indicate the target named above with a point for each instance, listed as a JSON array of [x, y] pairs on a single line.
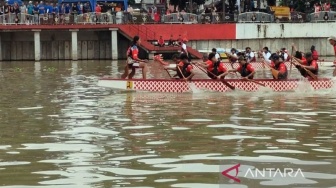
[[183, 73], [130, 59], [281, 76], [313, 71], [304, 72], [315, 55], [244, 72], [215, 70]]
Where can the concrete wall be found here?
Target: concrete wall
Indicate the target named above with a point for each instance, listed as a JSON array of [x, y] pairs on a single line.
[[303, 44], [56, 45], [284, 30]]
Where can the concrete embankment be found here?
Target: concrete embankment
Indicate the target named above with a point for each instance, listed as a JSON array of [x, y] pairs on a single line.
[[106, 42]]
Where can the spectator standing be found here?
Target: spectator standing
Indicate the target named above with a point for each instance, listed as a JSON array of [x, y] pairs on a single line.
[[67, 9], [326, 6], [98, 9], [130, 9], [30, 12], [36, 13], [317, 7], [154, 10], [23, 10], [41, 8]]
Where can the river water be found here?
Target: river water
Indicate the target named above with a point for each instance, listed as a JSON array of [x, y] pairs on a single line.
[[58, 129]]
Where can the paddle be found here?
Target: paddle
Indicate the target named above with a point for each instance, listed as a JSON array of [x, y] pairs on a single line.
[[308, 71], [275, 73], [168, 73], [290, 70], [223, 81]]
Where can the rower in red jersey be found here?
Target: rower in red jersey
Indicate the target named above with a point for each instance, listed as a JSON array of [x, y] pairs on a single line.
[[278, 64], [332, 41], [245, 69], [184, 68], [310, 65], [215, 68], [314, 52]]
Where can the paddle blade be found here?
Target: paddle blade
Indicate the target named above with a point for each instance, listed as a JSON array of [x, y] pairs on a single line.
[[275, 73]]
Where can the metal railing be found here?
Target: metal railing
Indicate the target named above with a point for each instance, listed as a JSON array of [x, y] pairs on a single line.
[[54, 19], [252, 17], [180, 18], [175, 18], [323, 16]]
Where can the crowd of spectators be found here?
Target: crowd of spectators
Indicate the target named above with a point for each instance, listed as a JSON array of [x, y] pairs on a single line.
[[37, 9]]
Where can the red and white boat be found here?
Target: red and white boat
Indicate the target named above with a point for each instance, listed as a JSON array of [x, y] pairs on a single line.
[[260, 65], [179, 86]]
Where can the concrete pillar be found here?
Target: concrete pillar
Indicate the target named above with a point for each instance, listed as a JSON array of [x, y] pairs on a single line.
[[74, 52], [114, 43], [37, 45]]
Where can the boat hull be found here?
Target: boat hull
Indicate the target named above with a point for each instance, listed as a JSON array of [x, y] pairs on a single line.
[[260, 65], [179, 86]]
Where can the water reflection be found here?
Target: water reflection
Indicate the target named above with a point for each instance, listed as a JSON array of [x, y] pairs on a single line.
[[60, 129]]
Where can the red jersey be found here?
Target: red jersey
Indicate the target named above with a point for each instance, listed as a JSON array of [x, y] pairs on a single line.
[[221, 67], [188, 69], [315, 54], [249, 68], [335, 49], [314, 64], [281, 67], [304, 61]]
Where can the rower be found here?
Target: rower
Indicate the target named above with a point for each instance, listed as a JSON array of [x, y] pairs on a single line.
[[184, 68], [184, 49], [215, 68], [266, 54], [278, 64], [176, 60], [310, 65], [314, 52], [133, 60], [245, 69], [214, 50], [332, 41], [284, 54], [250, 56], [233, 56]]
